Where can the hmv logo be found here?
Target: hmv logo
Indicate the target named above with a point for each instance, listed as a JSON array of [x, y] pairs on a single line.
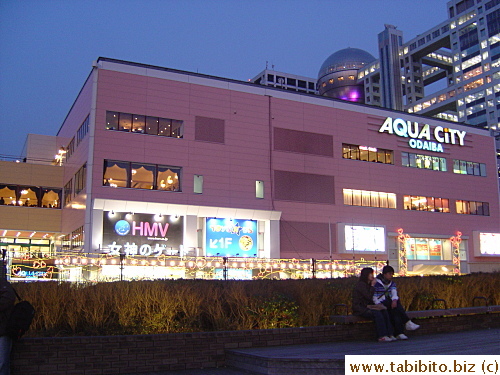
[[147, 229], [141, 228]]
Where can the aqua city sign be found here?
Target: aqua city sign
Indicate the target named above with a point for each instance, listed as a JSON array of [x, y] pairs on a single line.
[[422, 137]]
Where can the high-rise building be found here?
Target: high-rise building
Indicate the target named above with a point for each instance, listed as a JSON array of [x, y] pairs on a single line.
[[451, 71]]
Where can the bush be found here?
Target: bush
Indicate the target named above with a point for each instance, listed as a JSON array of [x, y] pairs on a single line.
[[145, 307]]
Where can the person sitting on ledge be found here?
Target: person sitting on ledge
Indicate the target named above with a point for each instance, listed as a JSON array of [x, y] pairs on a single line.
[[362, 305], [386, 294]]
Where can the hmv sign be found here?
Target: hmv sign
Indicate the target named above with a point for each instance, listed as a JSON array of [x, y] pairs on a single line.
[[142, 234]]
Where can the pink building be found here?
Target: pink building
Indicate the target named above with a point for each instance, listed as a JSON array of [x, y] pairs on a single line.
[[163, 163]]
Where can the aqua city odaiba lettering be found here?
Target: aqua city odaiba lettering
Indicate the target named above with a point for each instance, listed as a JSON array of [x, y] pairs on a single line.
[[420, 134]]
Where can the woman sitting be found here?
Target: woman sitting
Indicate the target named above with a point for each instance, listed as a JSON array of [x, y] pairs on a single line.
[[362, 305]]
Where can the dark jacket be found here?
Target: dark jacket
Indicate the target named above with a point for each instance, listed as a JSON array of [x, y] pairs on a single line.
[[7, 301], [362, 296]]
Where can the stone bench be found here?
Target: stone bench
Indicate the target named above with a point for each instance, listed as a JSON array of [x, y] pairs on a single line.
[[350, 319]]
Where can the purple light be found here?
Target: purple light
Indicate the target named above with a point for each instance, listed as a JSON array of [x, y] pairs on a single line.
[[354, 95]]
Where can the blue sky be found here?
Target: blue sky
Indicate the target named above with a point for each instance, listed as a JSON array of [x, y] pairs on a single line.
[[47, 47]]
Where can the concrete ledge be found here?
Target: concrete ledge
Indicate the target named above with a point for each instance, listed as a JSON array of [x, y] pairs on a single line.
[[145, 354]]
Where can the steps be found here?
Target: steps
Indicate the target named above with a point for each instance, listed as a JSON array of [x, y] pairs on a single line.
[[272, 365]]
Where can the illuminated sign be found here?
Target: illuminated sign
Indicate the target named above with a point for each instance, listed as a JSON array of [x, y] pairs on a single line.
[[35, 272], [142, 234], [489, 243], [422, 137], [231, 237], [364, 238]]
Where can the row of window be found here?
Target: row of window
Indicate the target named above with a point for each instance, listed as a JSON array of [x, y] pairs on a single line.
[[423, 161], [473, 208], [377, 199], [30, 196], [408, 159], [82, 130], [469, 167], [141, 176], [129, 122]]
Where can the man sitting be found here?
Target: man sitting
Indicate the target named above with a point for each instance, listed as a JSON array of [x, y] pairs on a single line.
[[386, 293]]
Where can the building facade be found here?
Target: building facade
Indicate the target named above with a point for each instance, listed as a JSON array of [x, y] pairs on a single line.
[[167, 174]]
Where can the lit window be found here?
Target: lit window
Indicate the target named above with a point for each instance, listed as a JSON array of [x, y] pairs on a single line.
[[431, 204], [144, 124], [365, 153], [367, 198]]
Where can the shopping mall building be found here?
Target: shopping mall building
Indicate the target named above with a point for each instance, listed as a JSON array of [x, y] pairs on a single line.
[[161, 173]]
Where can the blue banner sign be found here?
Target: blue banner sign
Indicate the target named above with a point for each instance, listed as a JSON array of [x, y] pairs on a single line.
[[231, 237]]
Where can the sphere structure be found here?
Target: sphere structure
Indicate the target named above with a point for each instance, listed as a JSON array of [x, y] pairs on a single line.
[[338, 76]]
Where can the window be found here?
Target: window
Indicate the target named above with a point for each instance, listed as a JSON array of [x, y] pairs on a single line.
[[367, 198], [80, 179], [144, 124], [259, 189], [425, 249], [152, 126], [432, 204], [168, 178], [68, 192], [112, 120], [473, 208], [125, 122], [77, 238], [364, 153], [116, 173], [138, 123], [141, 176], [198, 184], [51, 198], [434, 163], [8, 195], [469, 167], [28, 196]]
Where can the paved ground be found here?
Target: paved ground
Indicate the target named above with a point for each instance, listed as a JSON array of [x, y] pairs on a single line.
[[485, 342]]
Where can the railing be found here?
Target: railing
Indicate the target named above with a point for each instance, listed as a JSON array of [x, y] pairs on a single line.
[[79, 267]]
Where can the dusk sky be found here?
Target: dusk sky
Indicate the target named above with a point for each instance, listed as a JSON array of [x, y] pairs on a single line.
[[47, 47]]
